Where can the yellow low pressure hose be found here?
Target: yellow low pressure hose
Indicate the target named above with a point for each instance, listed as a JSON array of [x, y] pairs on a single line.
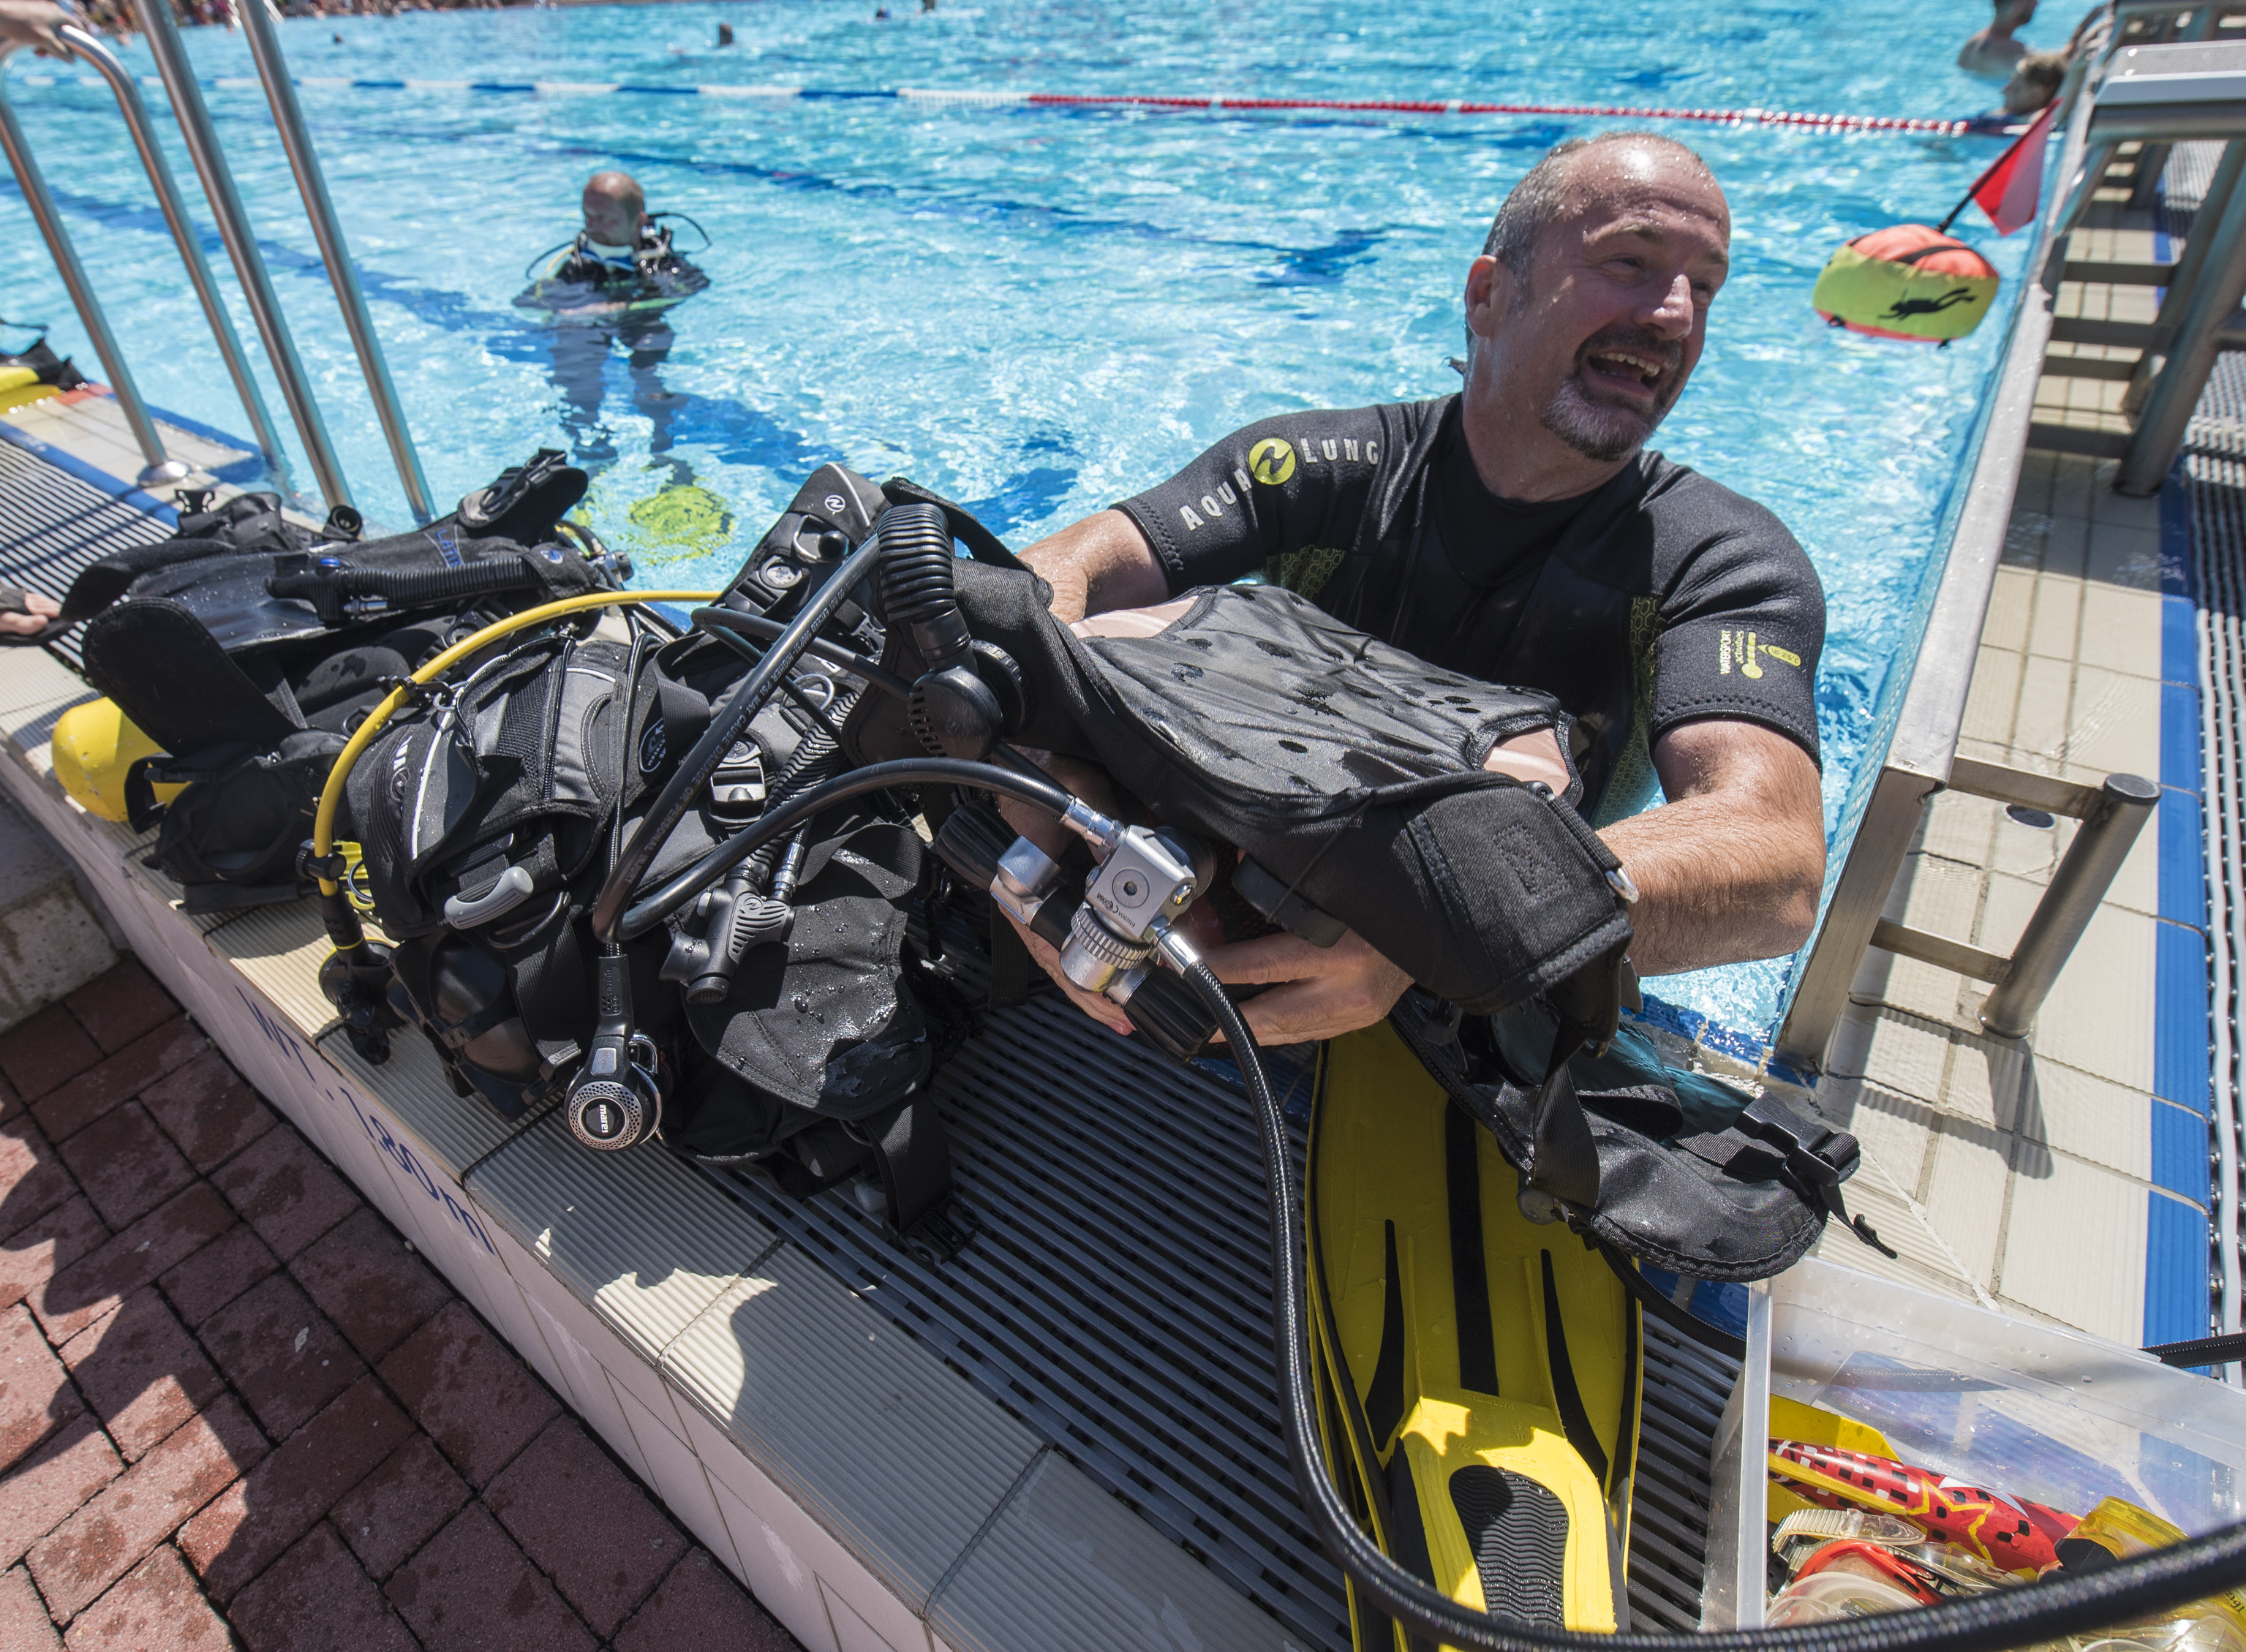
[[324, 819]]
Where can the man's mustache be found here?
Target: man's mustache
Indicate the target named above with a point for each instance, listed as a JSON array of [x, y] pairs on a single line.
[[1637, 341]]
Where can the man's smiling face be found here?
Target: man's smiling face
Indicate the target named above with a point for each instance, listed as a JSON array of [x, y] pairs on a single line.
[[1600, 333]]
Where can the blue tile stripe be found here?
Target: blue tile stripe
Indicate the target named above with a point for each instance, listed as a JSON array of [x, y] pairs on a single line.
[[2178, 1232]]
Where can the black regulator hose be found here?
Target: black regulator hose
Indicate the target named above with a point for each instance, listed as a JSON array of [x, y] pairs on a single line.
[[1028, 785], [748, 698], [723, 621], [2172, 1577]]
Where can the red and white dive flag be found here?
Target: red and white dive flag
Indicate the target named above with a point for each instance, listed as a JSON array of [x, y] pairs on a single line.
[[2008, 191]]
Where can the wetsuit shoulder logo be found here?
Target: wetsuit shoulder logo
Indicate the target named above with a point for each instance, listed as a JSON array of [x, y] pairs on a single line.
[[1747, 651], [1271, 461]]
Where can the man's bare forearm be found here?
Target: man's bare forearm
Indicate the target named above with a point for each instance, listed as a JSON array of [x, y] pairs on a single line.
[[1731, 869], [1098, 564]]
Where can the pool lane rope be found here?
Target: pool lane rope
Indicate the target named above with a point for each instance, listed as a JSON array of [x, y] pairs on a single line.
[[1823, 123]]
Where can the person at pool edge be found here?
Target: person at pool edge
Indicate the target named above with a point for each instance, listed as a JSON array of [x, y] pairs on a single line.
[[1520, 532]]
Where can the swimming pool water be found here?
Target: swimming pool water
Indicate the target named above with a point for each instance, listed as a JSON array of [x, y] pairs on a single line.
[[1037, 310]]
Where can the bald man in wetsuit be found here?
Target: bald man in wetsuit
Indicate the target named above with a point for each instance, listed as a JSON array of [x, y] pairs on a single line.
[[1520, 532]]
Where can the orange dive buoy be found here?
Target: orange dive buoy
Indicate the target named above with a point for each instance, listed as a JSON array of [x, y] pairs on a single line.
[[1909, 282]]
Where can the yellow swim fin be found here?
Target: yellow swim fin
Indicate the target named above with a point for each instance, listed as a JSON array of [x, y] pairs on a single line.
[[1480, 1376]]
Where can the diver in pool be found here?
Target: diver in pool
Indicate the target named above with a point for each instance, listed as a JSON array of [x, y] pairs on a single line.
[[620, 243], [614, 284], [1520, 532]]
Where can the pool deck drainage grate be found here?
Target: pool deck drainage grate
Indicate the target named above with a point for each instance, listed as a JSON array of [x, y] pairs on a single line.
[[1117, 1300], [56, 525]]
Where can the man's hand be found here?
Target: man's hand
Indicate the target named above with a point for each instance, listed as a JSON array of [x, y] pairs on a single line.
[[33, 23], [38, 609], [1104, 1011], [1321, 992]]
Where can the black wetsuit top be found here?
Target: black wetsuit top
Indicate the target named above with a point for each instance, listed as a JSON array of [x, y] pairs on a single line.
[[1657, 599]]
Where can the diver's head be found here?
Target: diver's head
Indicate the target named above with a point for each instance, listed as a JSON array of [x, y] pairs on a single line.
[[2014, 14], [1588, 306], [614, 209]]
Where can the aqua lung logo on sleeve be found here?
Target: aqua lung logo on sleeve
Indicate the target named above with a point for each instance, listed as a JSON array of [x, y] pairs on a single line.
[[1746, 651], [1272, 462]]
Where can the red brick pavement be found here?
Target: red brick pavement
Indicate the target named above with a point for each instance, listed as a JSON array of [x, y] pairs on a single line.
[[237, 1411]]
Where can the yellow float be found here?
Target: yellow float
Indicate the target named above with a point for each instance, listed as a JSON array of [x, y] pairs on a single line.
[[1907, 281]]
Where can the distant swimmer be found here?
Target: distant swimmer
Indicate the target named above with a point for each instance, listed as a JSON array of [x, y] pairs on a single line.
[[725, 34], [1993, 53]]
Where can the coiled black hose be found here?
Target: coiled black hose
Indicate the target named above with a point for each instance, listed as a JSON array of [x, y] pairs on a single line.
[[1028, 785], [919, 571], [2173, 1577]]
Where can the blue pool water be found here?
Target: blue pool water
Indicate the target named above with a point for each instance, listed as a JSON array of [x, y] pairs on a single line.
[[1039, 311]]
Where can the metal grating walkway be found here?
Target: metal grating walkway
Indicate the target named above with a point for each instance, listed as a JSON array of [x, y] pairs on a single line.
[[55, 525], [2214, 465], [1117, 1300]]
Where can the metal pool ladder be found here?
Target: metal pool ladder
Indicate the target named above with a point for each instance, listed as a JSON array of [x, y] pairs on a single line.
[[240, 243]]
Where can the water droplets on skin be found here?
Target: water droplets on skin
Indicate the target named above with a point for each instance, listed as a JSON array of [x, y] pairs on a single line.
[[1247, 265]]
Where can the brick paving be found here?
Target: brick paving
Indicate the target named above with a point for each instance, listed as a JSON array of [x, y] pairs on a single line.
[[237, 1411]]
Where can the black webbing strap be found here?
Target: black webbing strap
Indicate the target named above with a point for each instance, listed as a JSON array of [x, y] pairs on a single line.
[[1567, 1158], [914, 1157], [1818, 1159], [1714, 1338]]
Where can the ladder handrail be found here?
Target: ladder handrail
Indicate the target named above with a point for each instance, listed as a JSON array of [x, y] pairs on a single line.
[[88, 49], [179, 77], [161, 469], [334, 252]]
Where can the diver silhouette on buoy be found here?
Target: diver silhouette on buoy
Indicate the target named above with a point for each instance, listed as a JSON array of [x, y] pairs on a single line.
[[1907, 281], [1917, 281]]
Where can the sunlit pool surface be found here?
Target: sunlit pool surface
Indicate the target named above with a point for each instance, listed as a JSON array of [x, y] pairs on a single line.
[[1037, 311]]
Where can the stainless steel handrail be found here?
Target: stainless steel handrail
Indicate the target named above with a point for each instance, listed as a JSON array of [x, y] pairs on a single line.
[[179, 76], [88, 49], [160, 468], [1925, 740], [280, 92]]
